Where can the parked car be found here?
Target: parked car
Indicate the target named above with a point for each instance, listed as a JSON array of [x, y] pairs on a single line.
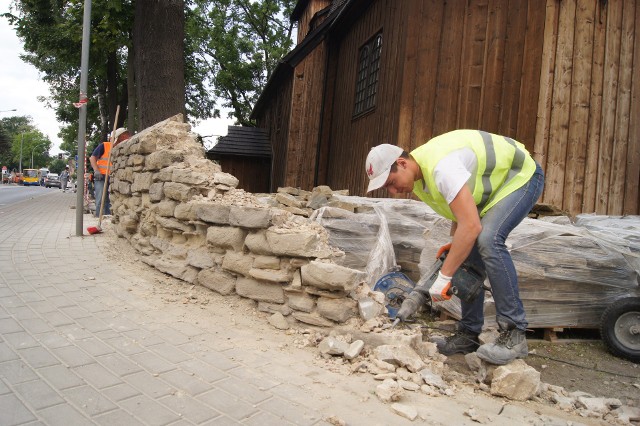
[[52, 179]]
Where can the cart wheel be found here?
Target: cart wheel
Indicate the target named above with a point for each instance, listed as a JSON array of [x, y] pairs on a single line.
[[620, 328]]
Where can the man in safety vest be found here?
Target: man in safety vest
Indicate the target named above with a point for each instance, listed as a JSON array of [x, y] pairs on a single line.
[[486, 184], [99, 161]]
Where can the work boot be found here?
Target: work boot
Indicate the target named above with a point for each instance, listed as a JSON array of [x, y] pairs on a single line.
[[462, 341], [510, 344]]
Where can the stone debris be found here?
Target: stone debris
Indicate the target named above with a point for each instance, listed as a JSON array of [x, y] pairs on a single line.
[[400, 355], [516, 380], [473, 414], [279, 321], [389, 391], [333, 346], [405, 411]]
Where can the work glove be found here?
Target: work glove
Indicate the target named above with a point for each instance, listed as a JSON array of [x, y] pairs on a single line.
[[438, 290], [442, 249]]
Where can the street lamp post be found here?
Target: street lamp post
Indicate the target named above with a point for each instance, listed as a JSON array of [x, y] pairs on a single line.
[[9, 110], [21, 142]]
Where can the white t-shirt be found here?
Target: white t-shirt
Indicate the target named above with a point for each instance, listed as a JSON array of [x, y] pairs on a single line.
[[453, 171]]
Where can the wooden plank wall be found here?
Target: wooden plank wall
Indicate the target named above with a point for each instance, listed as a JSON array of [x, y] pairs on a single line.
[[350, 139], [588, 138], [252, 173], [304, 126], [275, 119]]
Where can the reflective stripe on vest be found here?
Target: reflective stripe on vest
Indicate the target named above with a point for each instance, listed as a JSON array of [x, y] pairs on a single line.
[[102, 161], [504, 165]]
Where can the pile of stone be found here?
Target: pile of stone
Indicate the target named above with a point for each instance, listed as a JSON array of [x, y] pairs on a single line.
[[187, 219]]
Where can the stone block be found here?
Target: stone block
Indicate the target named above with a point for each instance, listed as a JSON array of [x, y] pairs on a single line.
[[329, 276], [227, 237], [200, 258], [250, 217], [389, 390], [266, 262], [279, 321], [297, 243], [312, 319], [261, 291], [156, 192], [219, 281], [165, 208], [338, 310], [301, 302], [212, 213], [238, 262], [141, 182], [160, 159], [257, 243], [289, 200], [355, 348], [400, 355], [332, 346], [179, 191], [226, 179], [271, 275], [189, 177], [164, 175], [516, 380], [185, 211], [173, 224]]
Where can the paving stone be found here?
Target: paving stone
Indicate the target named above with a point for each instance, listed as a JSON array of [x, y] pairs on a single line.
[[94, 347], [295, 413], [13, 411], [38, 394], [125, 346], [61, 377], [188, 408], [241, 389], [9, 325], [120, 392], [217, 359], [38, 357], [52, 340], [202, 370], [118, 364], [23, 312], [149, 385], [143, 337], [150, 411], [170, 352], [7, 353], [97, 375], [228, 404], [72, 356], [264, 418], [63, 414], [89, 401], [191, 384], [153, 363], [117, 417]]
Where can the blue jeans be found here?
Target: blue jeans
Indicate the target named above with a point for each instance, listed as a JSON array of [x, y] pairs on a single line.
[[490, 255], [98, 188]]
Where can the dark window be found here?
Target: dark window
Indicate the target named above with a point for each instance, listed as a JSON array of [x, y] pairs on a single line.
[[367, 77]]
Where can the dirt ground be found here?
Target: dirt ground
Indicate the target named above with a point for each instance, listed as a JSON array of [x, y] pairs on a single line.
[[576, 363]]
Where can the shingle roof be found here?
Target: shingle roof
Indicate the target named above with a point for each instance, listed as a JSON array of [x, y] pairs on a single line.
[[244, 141]]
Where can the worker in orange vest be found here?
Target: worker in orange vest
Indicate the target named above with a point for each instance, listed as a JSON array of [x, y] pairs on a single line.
[[99, 161]]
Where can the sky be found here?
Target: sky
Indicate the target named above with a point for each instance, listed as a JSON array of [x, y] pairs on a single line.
[[21, 85]]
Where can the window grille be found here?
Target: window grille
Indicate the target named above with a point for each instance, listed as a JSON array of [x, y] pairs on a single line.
[[367, 75]]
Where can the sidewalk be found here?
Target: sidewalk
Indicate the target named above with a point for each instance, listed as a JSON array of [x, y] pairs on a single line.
[[89, 337]]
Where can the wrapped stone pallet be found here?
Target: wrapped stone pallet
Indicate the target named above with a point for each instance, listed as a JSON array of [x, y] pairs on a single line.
[[569, 273]]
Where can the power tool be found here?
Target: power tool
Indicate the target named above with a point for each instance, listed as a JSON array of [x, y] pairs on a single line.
[[466, 284]]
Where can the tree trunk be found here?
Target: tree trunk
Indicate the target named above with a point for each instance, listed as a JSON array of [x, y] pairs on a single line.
[[158, 40]]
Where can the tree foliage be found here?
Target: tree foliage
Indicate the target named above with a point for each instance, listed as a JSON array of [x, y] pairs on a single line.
[[22, 140], [238, 43], [230, 49]]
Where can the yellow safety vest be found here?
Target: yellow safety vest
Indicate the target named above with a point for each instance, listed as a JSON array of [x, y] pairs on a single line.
[[504, 165]]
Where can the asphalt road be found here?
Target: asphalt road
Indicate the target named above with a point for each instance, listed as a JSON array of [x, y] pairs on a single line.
[[11, 194]]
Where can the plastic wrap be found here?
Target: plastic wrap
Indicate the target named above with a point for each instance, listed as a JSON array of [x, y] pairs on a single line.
[[568, 273]]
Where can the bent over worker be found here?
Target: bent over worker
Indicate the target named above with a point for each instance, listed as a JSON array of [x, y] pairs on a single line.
[[99, 161], [486, 184]]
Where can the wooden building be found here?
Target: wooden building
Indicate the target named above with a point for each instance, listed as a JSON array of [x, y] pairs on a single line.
[[561, 76], [245, 152]]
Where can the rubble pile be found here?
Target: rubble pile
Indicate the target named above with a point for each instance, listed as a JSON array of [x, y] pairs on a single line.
[[402, 363]]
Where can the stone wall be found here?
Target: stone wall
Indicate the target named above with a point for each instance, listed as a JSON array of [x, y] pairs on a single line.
[[187, 219]]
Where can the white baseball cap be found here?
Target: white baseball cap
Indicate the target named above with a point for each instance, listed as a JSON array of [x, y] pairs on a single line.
[[379, 162], [118, 132]]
